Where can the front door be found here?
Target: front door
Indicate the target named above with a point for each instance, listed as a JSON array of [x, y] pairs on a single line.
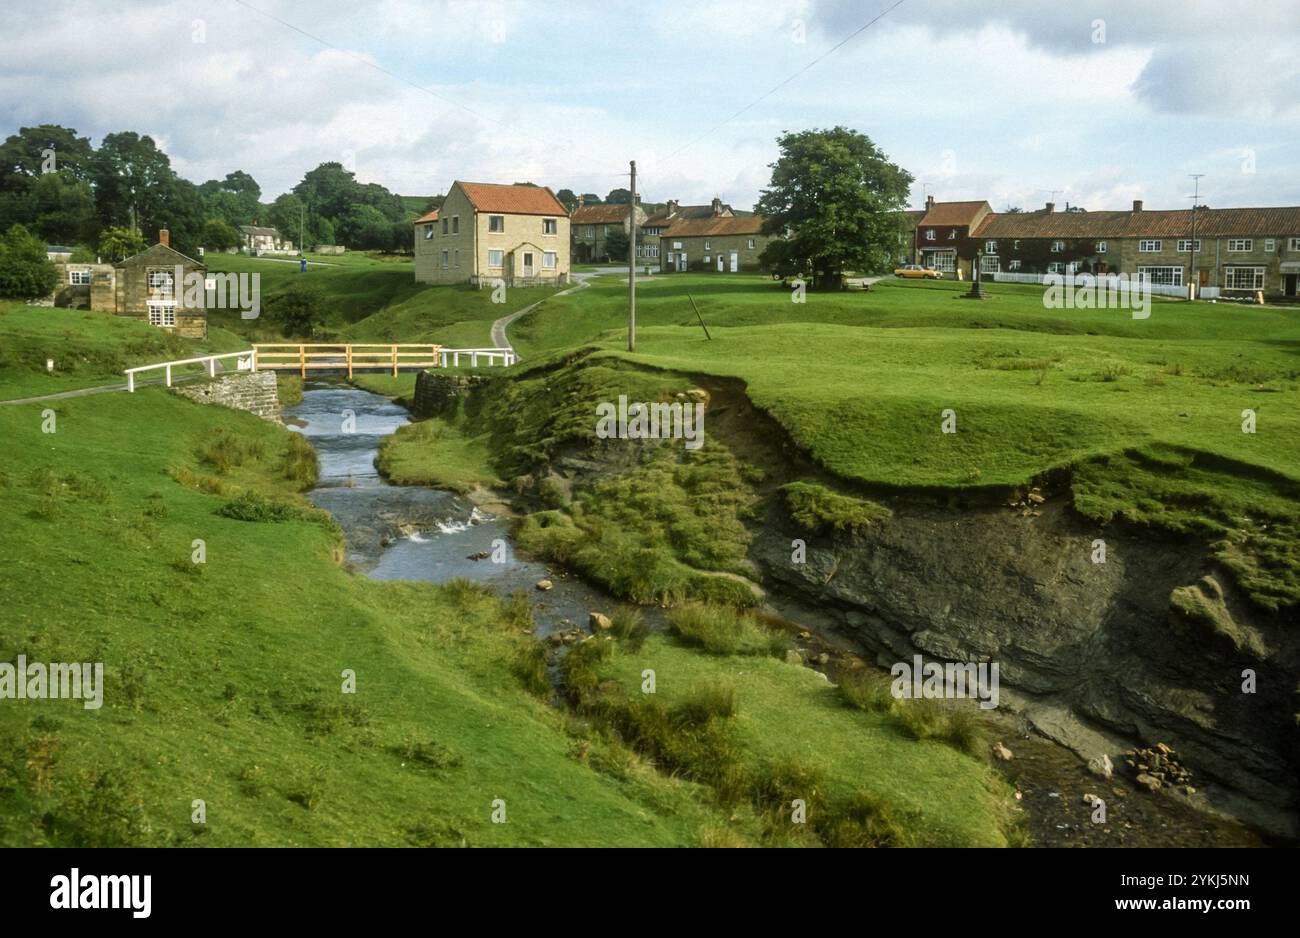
[[681, 261], [528, 263], [1291, 284], [1205, 277], [735, 261], [720, 262]]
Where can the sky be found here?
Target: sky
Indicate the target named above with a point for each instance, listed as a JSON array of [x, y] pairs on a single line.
[[1021, 102]]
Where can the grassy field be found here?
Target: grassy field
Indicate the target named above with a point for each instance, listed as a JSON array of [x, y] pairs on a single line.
[[863, 381]]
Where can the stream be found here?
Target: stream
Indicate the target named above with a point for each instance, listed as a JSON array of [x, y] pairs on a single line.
[[416, 533]]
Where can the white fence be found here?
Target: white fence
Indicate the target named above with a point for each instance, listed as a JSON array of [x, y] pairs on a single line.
[[506, 356], [245, 361], [1104, 281]]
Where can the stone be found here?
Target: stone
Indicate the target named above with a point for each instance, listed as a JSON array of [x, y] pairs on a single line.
[[1002, 752], [545, 585], [823, 658], [1188, 790], [1163, 748], [1101, 766], [793, 657], [256, 392], [601, 622], [1090, 799], [1036, 499], [1150, 783]]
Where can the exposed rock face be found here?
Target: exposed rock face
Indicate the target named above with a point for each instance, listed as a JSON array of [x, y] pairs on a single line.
[[436, 391], [1151, 644], [256, 392]]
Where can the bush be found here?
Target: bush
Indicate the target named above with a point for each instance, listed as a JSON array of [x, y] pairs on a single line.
[[253, 507], [301, 464], [866, 690], [862, 820], [25, 272]]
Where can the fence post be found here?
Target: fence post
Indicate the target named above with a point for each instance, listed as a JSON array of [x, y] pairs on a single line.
[[349, 362], [302, 361], [130, 382], [212, 367], [169, 374], [394, 360]]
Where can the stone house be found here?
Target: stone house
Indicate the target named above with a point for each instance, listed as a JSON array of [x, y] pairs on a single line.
[[649, 245], [485, 233], [719, 243], [260, 240], [592, 225], [145, 287], [1242, 250]]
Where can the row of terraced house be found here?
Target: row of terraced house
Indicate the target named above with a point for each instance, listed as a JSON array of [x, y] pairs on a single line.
[[1228, 250]]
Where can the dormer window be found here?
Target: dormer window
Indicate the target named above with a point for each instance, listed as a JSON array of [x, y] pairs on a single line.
[[428, 232], [952, 235], [929, 234]]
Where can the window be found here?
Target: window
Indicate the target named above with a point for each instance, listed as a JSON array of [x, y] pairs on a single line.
[[1186, 244], [944, 260], [1295, 244], [1243, 278], [455, 224], [989, 264], [929, 234], [549, 226], [750, 245], [160, 281], [708, 246], [990, 247], [162, 314], [79, 278], [1148, 247], [1056, 267], [1270, 245], [496, 223], [549, 259], [1015, 245], [1166, 276], [446, 259], [496, 258], [446, 224], [677, 245], [952, 235], [458, 258], [1013, 265], [707, 259], [428, 232], [1058, 247], [1240, 244], [1101, 247]]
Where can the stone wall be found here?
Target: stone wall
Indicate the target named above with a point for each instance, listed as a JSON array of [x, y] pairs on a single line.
[[436, 391], [255, 392]]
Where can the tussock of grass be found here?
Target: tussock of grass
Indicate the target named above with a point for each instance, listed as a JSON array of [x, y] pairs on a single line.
[[721, 630], [817, 508], [301, 464]]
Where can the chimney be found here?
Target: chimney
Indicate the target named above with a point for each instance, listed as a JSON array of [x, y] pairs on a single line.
[[717, 205], [1137, 205], [164, 237], [672, 208], [1051, 207], [581, 201], [929, 202]]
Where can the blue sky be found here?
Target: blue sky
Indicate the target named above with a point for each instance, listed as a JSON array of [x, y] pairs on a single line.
[[1094, 103]]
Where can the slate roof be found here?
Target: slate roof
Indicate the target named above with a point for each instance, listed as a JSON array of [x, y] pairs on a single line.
[[1210, 223], [718, 225], [600, 214]]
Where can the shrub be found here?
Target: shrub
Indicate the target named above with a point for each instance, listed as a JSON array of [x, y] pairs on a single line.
[[251, 506], [866, 690], [227, 450], [862, 820], [25, 272], [301, 464]]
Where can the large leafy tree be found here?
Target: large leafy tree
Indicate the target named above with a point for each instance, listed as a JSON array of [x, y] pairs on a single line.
[[25, 271], [44, 176], [132, 178], [117, 244], [836, 197], [23, 156]]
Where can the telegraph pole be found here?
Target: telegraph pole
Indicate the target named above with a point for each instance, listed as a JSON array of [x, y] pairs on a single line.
[[631, 266], [1191, 263]]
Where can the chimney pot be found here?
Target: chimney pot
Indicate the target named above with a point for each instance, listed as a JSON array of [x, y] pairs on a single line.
[[929, 202], [164, 237], [717, 206], [1051, 207], [1137, 205]]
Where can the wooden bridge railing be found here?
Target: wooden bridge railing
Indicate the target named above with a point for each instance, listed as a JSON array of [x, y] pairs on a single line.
[[304, 357]]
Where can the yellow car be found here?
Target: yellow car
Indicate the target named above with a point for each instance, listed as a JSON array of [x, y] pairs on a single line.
[[917, 271]]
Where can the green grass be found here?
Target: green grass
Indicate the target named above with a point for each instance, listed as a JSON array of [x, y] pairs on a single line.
[[437, 453], [775, 731], [818, 508], [223, 680]]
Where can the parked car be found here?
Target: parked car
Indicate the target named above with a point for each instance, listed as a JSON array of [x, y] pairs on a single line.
[[916, 271]]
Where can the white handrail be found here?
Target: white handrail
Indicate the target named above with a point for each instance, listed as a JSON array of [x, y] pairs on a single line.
[[209, 360], [507, 356]]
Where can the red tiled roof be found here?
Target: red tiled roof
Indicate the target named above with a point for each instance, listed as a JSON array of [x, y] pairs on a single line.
[[1210, 223], [512, 200], [955, 213], [719, 225], [600, 214], [432, 216]]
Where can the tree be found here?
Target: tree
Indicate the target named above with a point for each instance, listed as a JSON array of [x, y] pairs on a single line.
[[590, 198], [26, 155], [328, 190], [131, 177], [298, 309], [837, 196], [364, 227], [117, 244], [285, 215], [567, 198], [618, 197], [25, 271], [61, 209], [218, 235], [616, 245]]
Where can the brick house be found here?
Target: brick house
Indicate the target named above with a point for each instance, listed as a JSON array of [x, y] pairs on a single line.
[[592, 225], [144, 287], [719, 243], [485, 232], [945, 238]]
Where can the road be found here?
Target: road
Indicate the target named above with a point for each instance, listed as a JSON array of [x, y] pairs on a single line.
[[499, 339]]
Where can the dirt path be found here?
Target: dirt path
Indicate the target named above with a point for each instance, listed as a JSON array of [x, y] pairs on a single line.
[[499, 339], [106, 388]]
